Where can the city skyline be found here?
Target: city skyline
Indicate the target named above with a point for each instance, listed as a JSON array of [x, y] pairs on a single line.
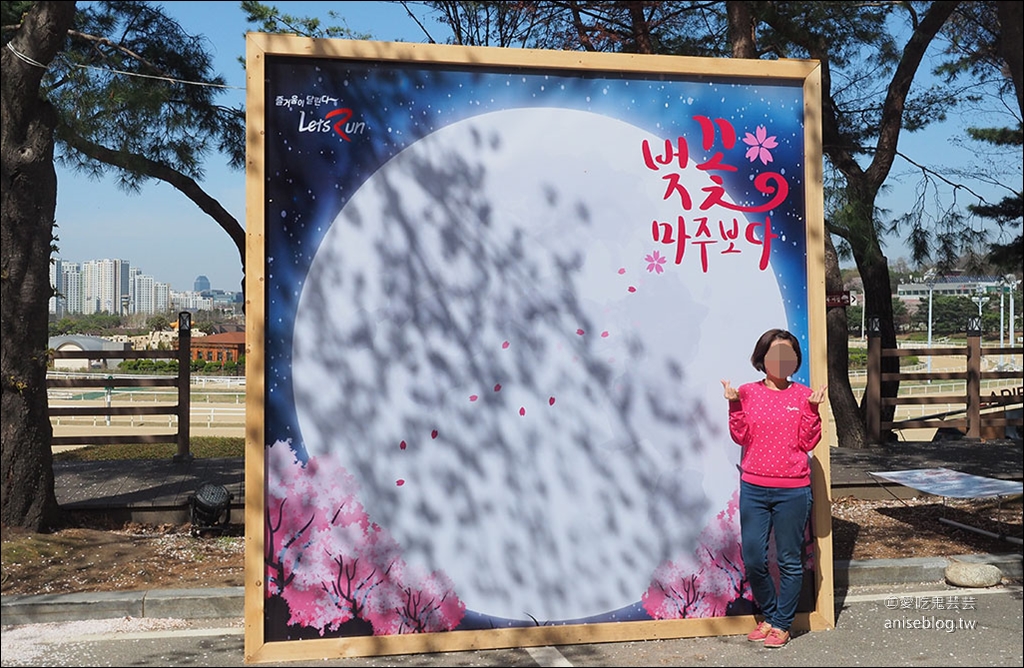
[[191, 286], [116, 286]]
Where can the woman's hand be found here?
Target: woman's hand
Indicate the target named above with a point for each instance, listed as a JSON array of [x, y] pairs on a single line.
[[818, 396], [730, 392]]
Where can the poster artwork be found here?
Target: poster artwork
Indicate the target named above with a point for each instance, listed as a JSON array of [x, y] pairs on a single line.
[[499, 303]]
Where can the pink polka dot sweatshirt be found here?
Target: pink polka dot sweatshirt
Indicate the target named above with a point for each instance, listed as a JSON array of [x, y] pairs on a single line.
[[777, 428]]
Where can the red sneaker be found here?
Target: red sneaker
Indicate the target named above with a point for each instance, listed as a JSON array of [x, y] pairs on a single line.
[[760, 633], [776, 638]]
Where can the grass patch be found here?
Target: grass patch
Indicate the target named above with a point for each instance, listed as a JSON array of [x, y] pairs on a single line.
[[26, 550], [202, 447]]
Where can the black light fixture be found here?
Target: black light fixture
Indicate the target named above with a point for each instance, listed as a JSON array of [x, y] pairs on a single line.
[[874, 326], [210, 508], [974, 324]]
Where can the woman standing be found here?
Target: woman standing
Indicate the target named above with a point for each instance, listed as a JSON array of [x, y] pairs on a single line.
[[777, 422]]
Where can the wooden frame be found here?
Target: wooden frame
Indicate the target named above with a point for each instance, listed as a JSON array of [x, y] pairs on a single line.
[[808, 307]]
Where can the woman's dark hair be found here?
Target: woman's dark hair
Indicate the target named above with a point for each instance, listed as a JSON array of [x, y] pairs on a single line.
[[765, 342]]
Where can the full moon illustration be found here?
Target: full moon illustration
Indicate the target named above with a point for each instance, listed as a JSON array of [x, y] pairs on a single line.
[[525, 383]]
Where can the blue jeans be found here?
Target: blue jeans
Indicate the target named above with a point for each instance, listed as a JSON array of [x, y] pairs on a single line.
[[785, 510]]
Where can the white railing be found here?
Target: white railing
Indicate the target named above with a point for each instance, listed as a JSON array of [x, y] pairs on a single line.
[[208, 416], [136, 395]]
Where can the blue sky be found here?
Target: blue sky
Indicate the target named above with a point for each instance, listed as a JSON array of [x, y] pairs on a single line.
[[167, 236], [160, 230]]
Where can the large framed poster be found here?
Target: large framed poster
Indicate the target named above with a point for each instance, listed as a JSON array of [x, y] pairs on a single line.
[[491, 297]]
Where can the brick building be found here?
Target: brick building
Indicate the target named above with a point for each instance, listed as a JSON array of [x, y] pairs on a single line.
[[228, 347]]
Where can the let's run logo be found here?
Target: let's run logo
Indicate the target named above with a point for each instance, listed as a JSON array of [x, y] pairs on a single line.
[[320, 114]]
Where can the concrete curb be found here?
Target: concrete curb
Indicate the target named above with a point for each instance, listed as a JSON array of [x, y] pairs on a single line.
[[923, 569], [229, 602], [214, 603]]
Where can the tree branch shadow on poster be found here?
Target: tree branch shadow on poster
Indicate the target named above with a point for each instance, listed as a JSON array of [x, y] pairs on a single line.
[[491, 414]]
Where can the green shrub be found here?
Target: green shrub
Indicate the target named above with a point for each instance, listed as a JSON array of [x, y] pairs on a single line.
[[858, 358]]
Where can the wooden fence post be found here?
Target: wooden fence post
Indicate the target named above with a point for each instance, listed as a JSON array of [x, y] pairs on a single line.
[[873, 391], [184, 386], [974, 377]]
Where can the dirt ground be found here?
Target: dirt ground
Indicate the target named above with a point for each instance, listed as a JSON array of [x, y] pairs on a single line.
[[897, 529], [92, 557]]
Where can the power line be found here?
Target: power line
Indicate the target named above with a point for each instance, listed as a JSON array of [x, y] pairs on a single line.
[[30, 61], [160, 78]]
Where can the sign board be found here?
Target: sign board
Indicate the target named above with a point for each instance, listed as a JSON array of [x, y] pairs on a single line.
[[834, 299], [491, 295]]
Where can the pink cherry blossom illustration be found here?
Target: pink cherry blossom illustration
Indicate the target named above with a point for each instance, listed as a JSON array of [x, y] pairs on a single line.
[[551, 401], [522, 410], [330, 567], [604, 334], [473, 397], [622, 270], [433, 434], [580, 332], [759, 145], [632, 288], [654, 262], [707, 583], [504, 345], [402, 445], [497, 387]]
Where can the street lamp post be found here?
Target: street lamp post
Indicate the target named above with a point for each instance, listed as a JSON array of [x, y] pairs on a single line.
[[1002, 297], [979, 301], [863, 310], [1013, 282], [929, 279]]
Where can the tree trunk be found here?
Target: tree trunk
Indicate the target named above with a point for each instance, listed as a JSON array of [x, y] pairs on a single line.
[[1011, 44], [741, 29], [27, 204], [850, 429], [874, 272], [862, 185]]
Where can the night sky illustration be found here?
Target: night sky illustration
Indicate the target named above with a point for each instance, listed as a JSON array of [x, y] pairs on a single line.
[[333, 124], [312, 174]]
